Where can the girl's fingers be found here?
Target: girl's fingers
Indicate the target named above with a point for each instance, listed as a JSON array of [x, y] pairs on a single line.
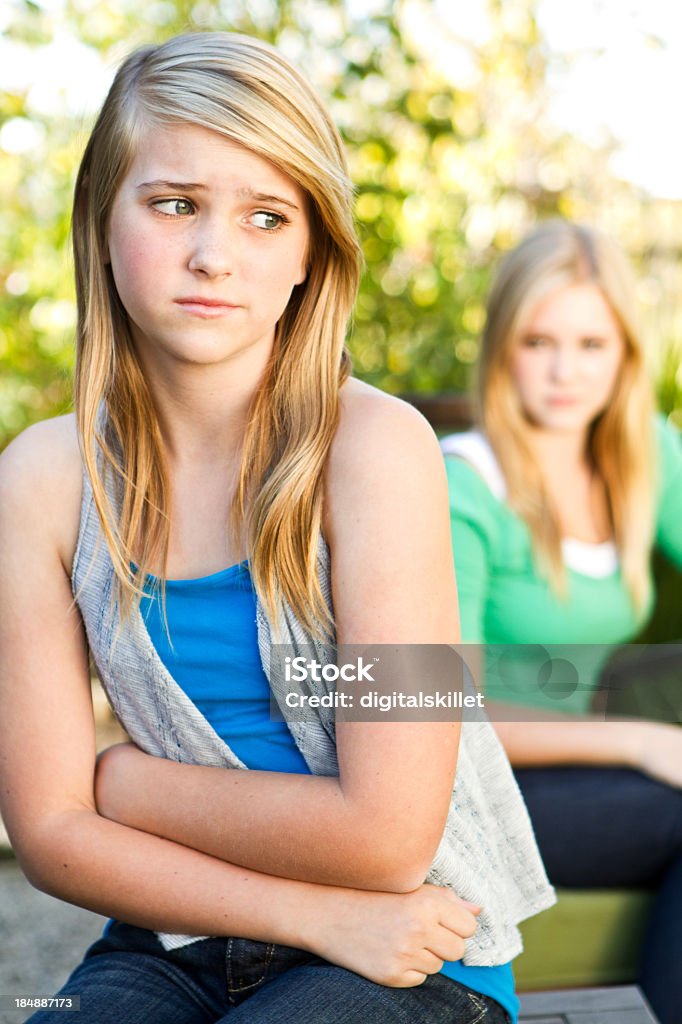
[[460, 921], [446, 945], [473, 908], [411, 979], [427, 962]]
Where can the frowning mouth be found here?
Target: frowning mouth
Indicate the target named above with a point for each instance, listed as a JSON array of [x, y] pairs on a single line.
[[197, 305]]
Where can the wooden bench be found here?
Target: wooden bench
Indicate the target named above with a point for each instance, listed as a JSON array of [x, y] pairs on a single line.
[[587, 1006]]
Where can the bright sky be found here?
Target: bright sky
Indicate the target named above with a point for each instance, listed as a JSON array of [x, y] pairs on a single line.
[[616, 70], [626, 78]]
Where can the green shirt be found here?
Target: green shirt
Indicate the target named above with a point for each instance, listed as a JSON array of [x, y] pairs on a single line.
[[504, 601]]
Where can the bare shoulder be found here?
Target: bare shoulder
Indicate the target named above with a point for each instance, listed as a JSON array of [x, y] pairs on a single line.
[[387, 523], [41, 485], [384, 458], [378, 433], [43, 460]]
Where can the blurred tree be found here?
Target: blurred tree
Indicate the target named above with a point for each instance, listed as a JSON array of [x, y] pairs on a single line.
[[449, 142]]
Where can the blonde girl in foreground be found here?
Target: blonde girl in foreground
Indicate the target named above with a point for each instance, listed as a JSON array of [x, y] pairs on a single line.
[[225, 485], [556, 504]]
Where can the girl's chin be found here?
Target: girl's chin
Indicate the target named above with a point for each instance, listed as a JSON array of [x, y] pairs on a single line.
[[561, 421]]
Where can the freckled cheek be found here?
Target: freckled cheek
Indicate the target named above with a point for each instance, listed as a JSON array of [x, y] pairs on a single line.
[[129, 277], [129, 265], [273, 280], [139, 270]]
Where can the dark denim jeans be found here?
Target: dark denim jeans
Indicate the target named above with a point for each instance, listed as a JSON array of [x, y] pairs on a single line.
[[616, 828], [128, 978]]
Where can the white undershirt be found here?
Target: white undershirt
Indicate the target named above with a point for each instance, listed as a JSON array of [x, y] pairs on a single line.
[[596, 560]]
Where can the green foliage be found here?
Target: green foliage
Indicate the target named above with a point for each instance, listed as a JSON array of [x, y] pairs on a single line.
[[449, 145], [669, 382]]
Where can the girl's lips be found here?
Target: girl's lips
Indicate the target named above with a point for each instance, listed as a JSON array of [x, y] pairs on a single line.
[[563, 400], [208, 308]]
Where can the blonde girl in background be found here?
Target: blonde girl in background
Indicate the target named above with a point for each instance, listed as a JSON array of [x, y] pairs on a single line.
[[225, 487], [557, 501]]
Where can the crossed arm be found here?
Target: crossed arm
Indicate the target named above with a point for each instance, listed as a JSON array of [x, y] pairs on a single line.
[[378, 824], [350, 830], [357, 830]]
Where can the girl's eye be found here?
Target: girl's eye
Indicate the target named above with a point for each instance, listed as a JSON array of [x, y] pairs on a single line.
[[593, 343], [267, 220], [174, 207], [534, 341]]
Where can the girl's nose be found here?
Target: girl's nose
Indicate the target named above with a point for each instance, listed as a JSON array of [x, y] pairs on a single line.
[[212, 252], [563, 364]]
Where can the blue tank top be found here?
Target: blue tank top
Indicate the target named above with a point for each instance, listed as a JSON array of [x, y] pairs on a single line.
[[213, 656]]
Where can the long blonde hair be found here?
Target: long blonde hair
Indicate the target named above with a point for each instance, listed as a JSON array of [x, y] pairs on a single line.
[[246, 91], [556, 254]]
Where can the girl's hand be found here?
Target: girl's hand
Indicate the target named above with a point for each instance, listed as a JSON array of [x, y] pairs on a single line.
[[658, 752], [393, 939]]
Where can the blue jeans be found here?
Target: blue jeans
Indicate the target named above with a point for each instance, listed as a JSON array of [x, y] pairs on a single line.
[[616, 828], [128, 978]]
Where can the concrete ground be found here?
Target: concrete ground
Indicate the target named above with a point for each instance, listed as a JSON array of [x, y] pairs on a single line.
[[41, 941]]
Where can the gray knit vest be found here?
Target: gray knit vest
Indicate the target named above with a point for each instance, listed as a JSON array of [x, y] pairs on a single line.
[[487, 854]]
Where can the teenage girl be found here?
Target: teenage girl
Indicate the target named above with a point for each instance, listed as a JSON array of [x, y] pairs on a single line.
[[225, 491], [556, 503]]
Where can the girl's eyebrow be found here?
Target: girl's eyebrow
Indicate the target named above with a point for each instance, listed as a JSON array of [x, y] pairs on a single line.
[[177, 186], [262, 197], [190, 186]]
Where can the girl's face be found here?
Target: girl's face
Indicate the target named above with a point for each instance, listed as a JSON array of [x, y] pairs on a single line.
[[206, 242], [566, 358]]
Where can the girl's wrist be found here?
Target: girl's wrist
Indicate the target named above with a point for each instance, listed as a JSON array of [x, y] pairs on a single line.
[[318, 917], [638, 738]]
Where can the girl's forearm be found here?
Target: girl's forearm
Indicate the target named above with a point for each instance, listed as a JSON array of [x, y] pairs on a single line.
[[654, 748], [296, 826], [570, 740], [117, 871], [213, 810], [82, 858]]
